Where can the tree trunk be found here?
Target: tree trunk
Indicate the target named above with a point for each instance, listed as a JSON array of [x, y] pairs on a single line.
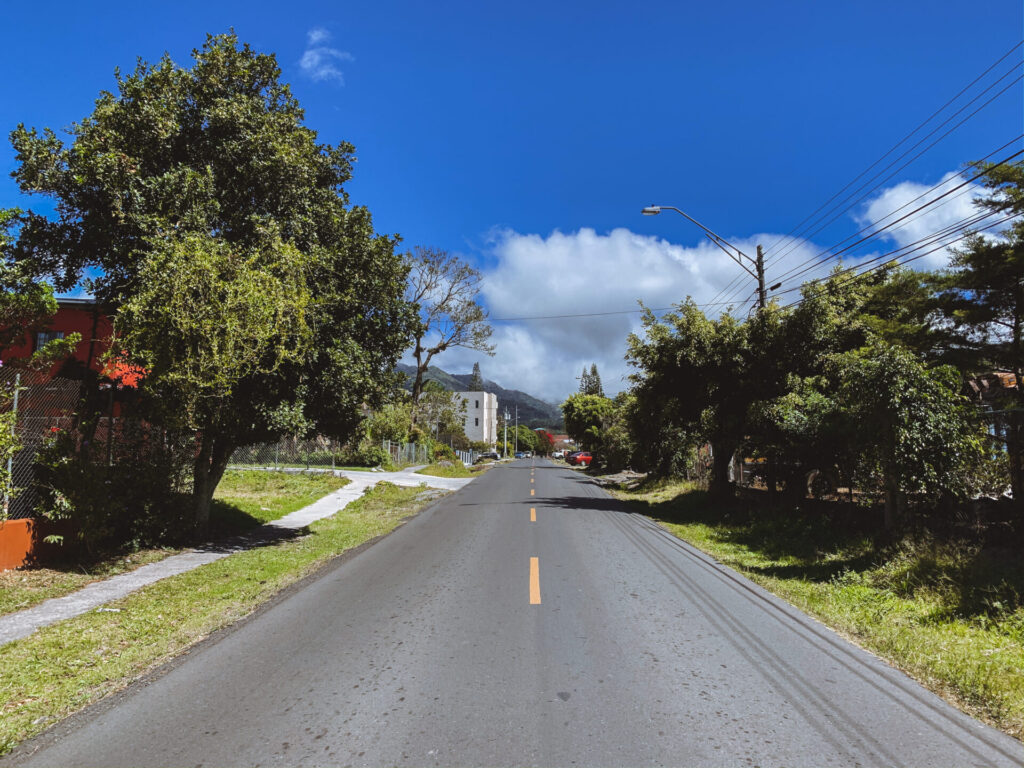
[[770, 476], [722, 452], [417, 383], [895, 501], [207, 473], [200, 484]]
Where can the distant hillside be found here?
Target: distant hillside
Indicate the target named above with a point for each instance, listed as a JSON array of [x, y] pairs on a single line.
[[533, 411]]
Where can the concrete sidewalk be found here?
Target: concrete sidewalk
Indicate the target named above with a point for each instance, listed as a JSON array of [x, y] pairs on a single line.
[[16, 626]]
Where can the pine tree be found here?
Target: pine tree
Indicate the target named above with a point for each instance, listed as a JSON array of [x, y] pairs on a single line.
[[595, 382], [590, 381], [476, 381], [585, 382]]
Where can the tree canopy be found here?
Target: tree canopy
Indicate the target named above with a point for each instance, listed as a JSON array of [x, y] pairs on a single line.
[[217, 230]]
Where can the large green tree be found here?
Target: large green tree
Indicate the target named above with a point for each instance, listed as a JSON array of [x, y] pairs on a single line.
[[584, 417], [912, 430], [982, 298], [292, 315]]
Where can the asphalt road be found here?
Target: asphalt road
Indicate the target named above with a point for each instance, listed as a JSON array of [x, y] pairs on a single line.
[[475, 635]]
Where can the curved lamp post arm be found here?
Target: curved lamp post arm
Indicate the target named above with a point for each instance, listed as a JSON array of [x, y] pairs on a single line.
[[733, 252]]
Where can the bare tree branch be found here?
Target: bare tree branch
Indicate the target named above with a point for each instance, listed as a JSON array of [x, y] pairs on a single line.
[[445, 290]]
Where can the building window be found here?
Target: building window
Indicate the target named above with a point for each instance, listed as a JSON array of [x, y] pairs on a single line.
[[477, 403], [43, 337], [476, 422]]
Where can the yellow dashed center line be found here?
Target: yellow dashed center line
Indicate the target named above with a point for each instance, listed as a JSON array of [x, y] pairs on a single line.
[[533, 514], [532, 491], [534, 581]]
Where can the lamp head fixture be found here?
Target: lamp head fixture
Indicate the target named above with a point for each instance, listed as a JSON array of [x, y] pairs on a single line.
[[651, 210]]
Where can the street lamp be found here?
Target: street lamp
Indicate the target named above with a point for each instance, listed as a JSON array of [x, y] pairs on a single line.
[[734, 253]]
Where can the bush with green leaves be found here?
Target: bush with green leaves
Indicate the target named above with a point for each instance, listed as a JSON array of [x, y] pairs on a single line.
[[130, 495], [442, 452]]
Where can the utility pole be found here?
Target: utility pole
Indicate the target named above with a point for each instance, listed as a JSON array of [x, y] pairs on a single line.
[[762, 298], [757, 273], [504, 443], [730, 250], [517, 429]]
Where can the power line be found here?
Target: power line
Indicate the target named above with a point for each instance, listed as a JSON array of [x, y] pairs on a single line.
[[597, 314], [796, 271], [897, 144], [911, 160], [903, 250], [896, 261], [928, 191]]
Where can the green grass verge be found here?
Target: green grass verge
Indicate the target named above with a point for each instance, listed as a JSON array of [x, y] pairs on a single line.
[[243, 501], [284, 465], [249, 498], [62, 668], [26, 587], [949, 613], [455, 470]]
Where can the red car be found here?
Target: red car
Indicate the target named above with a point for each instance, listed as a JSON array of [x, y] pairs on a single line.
[[583, 457]]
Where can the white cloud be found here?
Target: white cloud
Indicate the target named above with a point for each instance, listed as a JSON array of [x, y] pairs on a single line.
[[588, 272], [319, 61], [318, 35], [948, 211], [566, 273]]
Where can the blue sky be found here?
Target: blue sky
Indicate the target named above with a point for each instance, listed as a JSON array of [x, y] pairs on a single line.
[[527, 136]]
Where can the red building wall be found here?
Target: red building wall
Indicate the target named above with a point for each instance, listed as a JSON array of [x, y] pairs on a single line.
[[74, 316]]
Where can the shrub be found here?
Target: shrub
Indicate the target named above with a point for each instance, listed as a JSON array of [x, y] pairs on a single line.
[[442, 452], [366, 454], [134, 496]]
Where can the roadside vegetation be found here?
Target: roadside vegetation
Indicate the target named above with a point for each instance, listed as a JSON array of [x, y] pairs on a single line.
[[943, 605], [243, 501], [67, 666]]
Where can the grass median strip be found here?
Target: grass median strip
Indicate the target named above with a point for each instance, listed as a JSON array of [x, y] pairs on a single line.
[[244, 500], [948, 613], [67, 666]]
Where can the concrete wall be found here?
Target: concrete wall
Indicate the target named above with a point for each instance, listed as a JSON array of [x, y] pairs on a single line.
[[481, 423]]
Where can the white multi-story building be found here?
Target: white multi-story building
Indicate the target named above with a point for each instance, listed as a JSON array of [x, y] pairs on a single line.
[[481, 416]]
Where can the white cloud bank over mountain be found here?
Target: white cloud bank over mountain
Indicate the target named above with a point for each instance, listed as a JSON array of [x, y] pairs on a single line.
[[587, 272], [566, 273]]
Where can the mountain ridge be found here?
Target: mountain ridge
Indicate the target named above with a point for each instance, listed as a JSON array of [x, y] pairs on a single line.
[[533, 411]]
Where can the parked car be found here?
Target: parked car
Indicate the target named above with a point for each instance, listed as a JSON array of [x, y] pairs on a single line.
[[520, 455], [557, 454], [569, 456], [581, 457], [489, 455]]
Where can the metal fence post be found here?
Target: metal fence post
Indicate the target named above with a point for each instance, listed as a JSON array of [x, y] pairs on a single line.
[[10, 458]]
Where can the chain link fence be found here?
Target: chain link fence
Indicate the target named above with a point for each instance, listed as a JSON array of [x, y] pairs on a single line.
[[320, 453], [40, 406], [292, 453], [406, 453]]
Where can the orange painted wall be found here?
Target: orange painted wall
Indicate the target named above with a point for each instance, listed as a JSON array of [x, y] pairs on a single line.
[[16, 537]]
